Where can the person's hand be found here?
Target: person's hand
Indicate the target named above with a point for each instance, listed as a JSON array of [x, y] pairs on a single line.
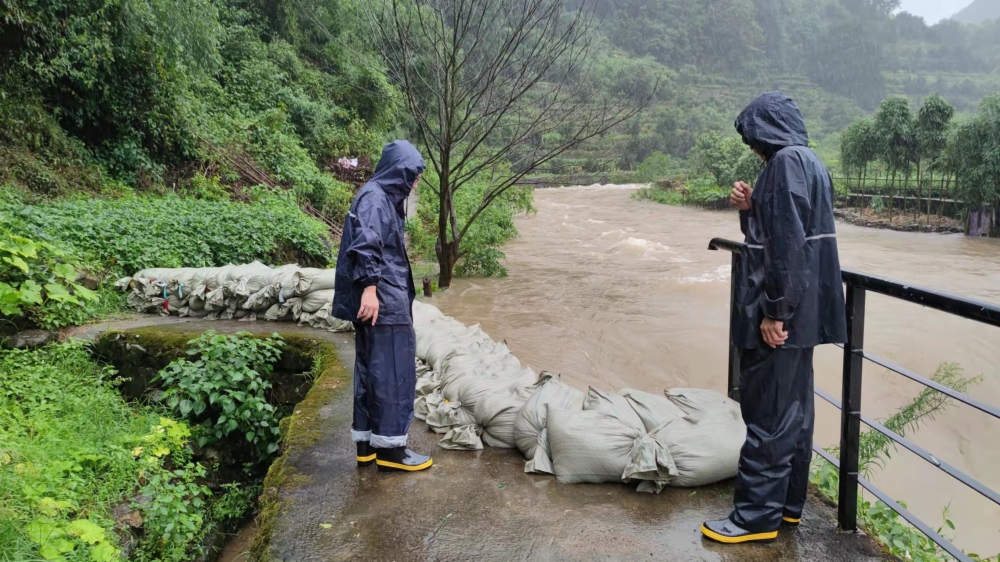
[[369, 305], [740, 196], [773, 332]]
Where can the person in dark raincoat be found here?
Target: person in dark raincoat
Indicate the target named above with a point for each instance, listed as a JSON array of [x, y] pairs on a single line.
[[789, 299], [374, 289]]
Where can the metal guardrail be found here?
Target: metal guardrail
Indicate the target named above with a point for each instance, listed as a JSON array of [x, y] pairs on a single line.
[[858, 285]]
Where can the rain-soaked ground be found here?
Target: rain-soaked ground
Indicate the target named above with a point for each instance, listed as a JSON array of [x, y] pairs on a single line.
[[482, 506]]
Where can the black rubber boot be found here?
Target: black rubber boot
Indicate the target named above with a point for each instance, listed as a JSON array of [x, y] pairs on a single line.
[[401, 459], [725, 531], [790, 519], [366, 454]]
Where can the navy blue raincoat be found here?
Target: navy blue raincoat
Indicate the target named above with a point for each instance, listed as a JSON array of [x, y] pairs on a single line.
[[373, 252], [373, 248], [791, 269], [789, 272]]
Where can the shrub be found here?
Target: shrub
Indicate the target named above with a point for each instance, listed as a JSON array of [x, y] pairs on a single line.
[[481, 248], [38, 281], [125, 235], [224, 388]]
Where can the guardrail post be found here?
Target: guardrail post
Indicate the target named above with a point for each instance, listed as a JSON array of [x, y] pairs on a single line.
[[850, 414], [734, 352]]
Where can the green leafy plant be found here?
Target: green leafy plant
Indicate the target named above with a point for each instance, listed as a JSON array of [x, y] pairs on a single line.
[[37, 279], [131, 233], [66, 441], [223, 388], [480, 253], [874, 449], [173, 512]]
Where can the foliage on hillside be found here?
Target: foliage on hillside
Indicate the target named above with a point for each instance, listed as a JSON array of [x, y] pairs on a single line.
[[837, 58], [102, 93]]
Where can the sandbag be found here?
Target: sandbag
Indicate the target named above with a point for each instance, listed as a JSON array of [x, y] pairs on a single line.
[[462, 438], [424, 404], [530, 433], [654, 410], [323, 319], [473, 387], [448, 415], [188, 312], [705, 443], [281, 311], [215, 300], [613, 404], [312, 280], [496, 413], [596, 446], [314, 300], [428, 381], [263, 299]]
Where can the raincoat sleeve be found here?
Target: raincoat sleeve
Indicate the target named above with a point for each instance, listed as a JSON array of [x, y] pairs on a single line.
[[785, 214], [368, 222], [744, 221]]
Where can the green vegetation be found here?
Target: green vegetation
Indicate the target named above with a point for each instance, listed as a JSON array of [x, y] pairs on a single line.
[[148, 92], [224, 389], [72, 450], [898, 155], [481, 251], [58, 241], [121, 236], [79, 465], [877, 518], [39, 283]]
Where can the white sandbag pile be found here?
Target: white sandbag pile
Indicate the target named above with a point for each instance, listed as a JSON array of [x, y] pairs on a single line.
[[472, 391], [242, 292]]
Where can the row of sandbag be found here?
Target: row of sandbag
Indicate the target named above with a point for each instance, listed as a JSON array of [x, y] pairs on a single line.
[[242, 292], [473, 390]]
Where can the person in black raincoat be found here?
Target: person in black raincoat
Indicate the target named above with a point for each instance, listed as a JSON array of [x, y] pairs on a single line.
[[374, 289], [789, 299]]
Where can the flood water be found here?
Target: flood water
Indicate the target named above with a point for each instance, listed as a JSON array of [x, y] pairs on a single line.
[[615, 293]]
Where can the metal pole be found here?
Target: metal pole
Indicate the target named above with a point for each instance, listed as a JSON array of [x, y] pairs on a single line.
[[850, 413], [734, 352]]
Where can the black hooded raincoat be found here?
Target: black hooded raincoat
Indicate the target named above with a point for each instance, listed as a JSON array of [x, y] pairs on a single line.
[[373, 252], [790, 272]]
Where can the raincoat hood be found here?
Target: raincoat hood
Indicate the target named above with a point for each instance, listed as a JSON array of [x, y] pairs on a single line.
[[772, 122], [399, 167]]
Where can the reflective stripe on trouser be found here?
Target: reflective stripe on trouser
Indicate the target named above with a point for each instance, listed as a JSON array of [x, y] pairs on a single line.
[[776, 394], [385, 378]]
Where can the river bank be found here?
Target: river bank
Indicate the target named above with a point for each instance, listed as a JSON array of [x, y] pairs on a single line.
[[615, 293], [903, 222]]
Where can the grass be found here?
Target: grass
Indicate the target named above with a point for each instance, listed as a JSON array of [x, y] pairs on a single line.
[[66, 442]]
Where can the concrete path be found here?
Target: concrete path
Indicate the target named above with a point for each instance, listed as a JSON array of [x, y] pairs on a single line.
[[481, 506]]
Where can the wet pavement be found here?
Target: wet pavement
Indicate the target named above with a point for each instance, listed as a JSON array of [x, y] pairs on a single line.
[[482, 506]]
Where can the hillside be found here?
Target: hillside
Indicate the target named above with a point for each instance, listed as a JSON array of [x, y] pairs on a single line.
[[979, 11]]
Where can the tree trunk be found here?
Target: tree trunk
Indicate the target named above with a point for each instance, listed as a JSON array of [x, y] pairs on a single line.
[[446, 248], [447, 255], [892, 196], [862, 173]]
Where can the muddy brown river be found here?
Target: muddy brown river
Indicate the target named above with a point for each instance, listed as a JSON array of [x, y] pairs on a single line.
[[613, 292]]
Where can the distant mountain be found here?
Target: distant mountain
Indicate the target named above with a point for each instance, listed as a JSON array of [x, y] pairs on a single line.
[[979, 11]]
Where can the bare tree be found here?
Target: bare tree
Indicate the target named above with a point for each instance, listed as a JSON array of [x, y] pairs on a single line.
[[485, 81]]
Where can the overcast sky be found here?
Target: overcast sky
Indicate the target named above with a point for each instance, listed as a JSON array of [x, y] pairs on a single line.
[[934, 11]]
